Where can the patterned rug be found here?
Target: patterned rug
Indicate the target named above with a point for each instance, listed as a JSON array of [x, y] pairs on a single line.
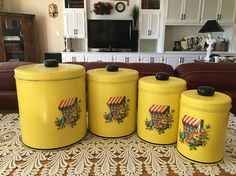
[[102, 156]]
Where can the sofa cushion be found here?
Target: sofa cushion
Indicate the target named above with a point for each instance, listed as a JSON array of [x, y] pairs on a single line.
[[8, 100], [7, 75], [221, 76], [218, 75], [144, 69], [232, 94]]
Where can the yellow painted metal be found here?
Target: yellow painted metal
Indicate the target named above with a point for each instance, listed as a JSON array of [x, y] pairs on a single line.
[[112, 102], [202, 126], [52, 105], [158, 109]]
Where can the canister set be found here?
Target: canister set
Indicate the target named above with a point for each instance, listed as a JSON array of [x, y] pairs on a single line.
[[52, 108]]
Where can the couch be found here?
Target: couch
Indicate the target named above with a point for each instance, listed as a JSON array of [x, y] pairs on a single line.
[[220, 76], [8, 97]]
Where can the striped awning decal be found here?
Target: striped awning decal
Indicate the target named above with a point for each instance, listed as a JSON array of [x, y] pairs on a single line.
[[158, 108], [67, 103], [115, 100], [191, 120]]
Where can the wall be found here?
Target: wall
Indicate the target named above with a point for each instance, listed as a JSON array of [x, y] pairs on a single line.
[[126, 14], [49, 30]]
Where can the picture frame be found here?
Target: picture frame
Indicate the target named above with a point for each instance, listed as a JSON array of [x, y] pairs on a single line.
[[177, 46]]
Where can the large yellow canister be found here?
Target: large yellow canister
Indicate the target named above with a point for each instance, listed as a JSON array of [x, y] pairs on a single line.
[[51, 101], [202, 124], [158, 108], [112, 101]]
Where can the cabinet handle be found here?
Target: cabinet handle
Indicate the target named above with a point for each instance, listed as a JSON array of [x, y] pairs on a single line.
[[126, 59], [150, 32], [220, 17], [151, 59], [73, 59], [217, 17], [181, 17], [181, 60], [184, 16]]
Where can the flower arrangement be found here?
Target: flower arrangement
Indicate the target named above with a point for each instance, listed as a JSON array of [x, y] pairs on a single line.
[[102, 8]]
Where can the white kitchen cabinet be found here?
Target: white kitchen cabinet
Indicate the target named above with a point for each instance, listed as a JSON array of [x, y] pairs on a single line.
[[183, 11], [98, 57], [150, 58], [149, 24], [172, 60], [73, 57], [221, 10], [175, 59], [126, 57], [74, 23]]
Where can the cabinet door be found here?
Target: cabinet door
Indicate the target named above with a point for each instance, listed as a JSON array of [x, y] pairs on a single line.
[[127, 57], [74, 23], [144, 24], [154, 21], [28, 30], [174, 61], [209, 10], [192, 11], [227, 11], [98, 57], [174, 11], [149, 28], [79, 24], [69, 24]]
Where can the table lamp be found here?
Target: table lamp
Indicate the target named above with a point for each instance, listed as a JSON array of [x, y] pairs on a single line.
[[209, 27]]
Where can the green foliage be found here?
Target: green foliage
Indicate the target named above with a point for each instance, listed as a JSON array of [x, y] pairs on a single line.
[[135, 15]]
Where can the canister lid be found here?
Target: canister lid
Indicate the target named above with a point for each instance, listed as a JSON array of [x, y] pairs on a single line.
[[217, 102], [112, 74], [39, 72], [157, 84]]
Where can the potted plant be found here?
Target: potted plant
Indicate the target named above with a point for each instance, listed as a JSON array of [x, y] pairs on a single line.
[[135, 15]]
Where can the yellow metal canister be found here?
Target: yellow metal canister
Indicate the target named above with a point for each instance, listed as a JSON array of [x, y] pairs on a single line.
[[202, 124], [112, 101], [52, 105], [158, 108]]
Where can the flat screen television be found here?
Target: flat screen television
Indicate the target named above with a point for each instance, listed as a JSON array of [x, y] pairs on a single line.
[[112, 34]]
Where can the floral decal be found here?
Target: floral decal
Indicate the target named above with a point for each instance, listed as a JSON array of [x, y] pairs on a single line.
[[119, 109], [70, 109], [194, 134], [161, 118]]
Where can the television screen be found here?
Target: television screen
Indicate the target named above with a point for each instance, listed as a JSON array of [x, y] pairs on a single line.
[[109, 33]]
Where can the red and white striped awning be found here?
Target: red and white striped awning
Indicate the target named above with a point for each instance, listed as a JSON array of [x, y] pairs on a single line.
[[158, 108], [115, 100], [191, 120], [67, 103]]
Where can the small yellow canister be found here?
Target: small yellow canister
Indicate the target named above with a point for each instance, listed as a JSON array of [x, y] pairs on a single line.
[[202, 124], [112, 101], [51, 101], [158, 108]]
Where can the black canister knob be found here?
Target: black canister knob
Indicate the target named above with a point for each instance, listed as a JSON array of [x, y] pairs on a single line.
[[163, 76], [51, 63], [112, 68], [205, 91]]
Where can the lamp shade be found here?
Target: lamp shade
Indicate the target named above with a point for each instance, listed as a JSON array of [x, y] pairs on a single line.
[[211, 26]]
